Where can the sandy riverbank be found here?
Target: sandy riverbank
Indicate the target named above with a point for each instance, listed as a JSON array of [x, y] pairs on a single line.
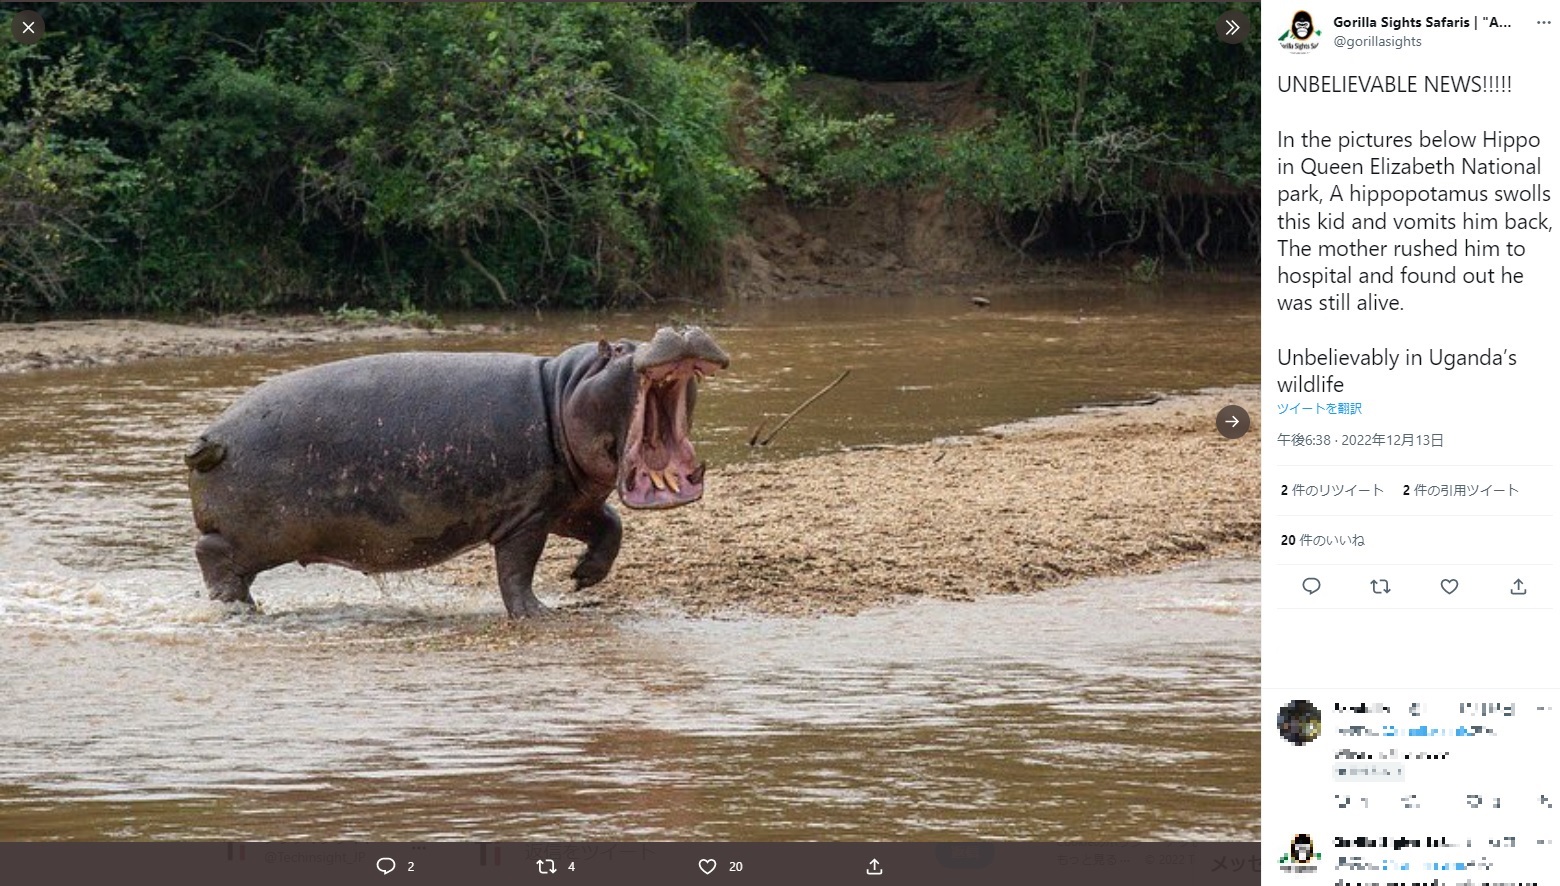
[[56, 344], [1024, 508]]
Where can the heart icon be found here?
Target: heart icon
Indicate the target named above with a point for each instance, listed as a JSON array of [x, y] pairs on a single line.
[[1449, 585], [707, 865]]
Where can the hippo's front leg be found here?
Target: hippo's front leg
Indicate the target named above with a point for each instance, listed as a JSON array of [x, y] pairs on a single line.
[[602, 533], [516, 555]]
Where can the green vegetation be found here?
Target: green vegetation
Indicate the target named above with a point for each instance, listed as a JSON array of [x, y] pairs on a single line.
[[383, 157], [406, 315], [1119, 123], [1144, 270]]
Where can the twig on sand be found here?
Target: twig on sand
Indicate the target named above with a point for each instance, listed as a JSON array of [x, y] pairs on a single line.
[[1113, 404], [797, 411]]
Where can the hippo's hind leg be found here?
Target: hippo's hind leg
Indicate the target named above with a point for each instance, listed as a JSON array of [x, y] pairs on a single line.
[[516, 555], [225, 579], [602, 532]]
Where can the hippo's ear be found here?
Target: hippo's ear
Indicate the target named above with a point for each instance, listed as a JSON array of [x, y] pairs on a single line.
[[604, 349]]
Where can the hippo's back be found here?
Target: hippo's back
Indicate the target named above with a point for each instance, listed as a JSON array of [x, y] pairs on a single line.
[[418, 442], [384, 395]]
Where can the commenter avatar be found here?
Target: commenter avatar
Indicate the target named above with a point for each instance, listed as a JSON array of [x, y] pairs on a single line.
[[1302, 856], [1299, 722]]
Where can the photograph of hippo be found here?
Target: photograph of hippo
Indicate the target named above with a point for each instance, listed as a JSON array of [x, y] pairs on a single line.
[[400, 461], [625, 421]]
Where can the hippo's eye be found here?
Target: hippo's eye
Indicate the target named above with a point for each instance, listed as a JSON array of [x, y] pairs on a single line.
[[619, 349]]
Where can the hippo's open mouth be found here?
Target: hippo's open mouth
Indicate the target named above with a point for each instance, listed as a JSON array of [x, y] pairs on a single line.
[[659, 468]]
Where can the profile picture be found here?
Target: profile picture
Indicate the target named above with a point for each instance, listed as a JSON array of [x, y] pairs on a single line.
[[1301, 849], [1300, 26], [1299, 722]]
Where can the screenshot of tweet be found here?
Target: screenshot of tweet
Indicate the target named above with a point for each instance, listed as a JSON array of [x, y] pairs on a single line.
[[1408, 481]]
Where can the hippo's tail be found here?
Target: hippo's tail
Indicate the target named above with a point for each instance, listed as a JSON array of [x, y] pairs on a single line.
[[203, 455]]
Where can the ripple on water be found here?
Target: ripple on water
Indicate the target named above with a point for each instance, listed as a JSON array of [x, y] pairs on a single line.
[[40, 593]]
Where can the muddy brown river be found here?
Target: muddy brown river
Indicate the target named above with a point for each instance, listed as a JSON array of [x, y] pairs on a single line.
[[403, 708]]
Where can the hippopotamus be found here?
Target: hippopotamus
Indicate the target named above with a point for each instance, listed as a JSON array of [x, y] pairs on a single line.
[[395, 462]]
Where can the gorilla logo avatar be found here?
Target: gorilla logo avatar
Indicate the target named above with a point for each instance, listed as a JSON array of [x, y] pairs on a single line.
[[1300, 26]]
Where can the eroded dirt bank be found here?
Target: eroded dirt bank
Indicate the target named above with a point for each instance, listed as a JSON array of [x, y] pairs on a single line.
[[1021, 509]]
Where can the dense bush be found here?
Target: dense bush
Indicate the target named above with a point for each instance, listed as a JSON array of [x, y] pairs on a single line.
[[51, 182], [215, 156], [1125, 122], [450, 153]]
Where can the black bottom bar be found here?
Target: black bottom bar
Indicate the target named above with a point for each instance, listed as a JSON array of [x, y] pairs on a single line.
[[579, 864]]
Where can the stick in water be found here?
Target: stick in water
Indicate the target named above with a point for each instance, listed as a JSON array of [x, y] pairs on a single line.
[[797, 411]]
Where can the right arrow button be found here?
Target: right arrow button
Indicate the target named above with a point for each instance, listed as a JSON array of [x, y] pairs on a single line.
[[1232, 422]]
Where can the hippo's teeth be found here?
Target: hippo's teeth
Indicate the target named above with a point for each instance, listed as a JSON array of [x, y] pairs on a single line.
[[671, 480], [658, 479], [697, 474]]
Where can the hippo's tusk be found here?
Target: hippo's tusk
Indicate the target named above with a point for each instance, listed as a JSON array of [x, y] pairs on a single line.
[[658, 480], [671, 480]]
